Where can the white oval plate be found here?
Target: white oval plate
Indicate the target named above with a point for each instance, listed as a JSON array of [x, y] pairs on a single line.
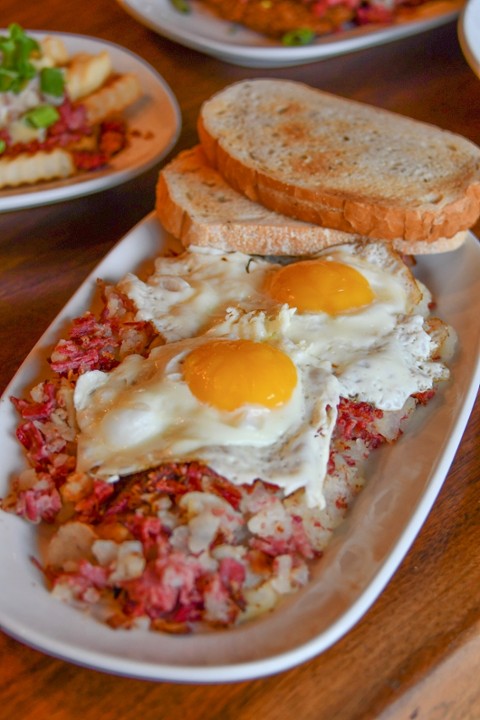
[[358, 563], [156, 116], [469, 34], [201, 30]]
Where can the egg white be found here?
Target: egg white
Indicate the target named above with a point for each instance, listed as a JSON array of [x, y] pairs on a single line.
[[187, 294], [143, 413]]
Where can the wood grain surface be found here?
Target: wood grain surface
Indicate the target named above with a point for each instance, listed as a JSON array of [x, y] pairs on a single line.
[[415, 655]]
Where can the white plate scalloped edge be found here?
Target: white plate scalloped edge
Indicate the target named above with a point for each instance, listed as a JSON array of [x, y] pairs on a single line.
[[201, 30], [357, 565], [156, 117]]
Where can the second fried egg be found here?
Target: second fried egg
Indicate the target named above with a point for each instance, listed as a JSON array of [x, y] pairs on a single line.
[[355, 308], [243, 407]]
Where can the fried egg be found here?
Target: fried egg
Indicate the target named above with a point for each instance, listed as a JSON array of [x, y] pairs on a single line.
[[258, 354], [356, 307], [358, 310], [189, 293], [243, 407]]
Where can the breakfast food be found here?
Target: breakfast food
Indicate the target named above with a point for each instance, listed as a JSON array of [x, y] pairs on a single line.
[[197, 205], [199, 440], [342, 164], [299, 22], [59, 115]]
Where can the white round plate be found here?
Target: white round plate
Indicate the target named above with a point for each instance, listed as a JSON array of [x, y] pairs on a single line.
[[357, 564], [201, 30], [152, 142], [469, 34]]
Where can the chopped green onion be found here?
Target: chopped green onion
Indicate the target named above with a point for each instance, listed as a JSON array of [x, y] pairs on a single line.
[[300, 36], [3, 146], [51, 81], [42, 116], [16, 50], [7, 78]]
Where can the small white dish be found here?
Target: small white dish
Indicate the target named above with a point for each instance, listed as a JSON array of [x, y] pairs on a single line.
[[469, 34], [203, 31], [156, 117], [362, 557]]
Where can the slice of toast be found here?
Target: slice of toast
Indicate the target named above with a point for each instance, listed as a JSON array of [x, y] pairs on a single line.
[[341, 164], [198, 207]]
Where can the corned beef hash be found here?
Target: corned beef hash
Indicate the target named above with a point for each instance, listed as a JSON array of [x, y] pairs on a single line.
[[200, 439], [59, 115]]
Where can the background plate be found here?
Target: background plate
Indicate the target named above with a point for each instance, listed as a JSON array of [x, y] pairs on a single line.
[[469, 34], [152, 144], [201, 30], [364, 553]]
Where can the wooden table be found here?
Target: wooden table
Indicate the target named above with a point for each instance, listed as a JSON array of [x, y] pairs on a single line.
[[416, 653]]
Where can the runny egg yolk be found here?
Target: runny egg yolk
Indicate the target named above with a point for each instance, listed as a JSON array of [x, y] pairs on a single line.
[[320, 286], [230, 373]]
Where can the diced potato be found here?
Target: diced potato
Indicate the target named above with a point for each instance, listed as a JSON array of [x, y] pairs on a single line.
[[71, 543]]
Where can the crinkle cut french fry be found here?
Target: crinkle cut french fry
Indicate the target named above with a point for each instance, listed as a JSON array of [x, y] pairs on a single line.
[[87, 73], [29, 169], [118, 94]]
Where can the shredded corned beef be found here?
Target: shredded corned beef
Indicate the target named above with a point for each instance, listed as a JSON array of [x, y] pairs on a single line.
[[112, 138], [69, 131], [374, 14], [41, 501], [44, 431], [41, 410], [161, 510], [177, 545], [424, 397], [356, 420], [70, 128], [101, 344]]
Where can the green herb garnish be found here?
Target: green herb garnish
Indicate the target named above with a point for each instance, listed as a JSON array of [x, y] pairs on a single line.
[[181, 5], [42, 116], [51, 81], [16, 68], [300, 36], [3, 146]]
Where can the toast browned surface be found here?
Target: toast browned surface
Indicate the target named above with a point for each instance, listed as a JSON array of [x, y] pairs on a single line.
[[341, 164]]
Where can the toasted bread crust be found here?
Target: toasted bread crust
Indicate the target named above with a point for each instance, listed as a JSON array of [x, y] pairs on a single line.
[[341, 164], [196, 205]]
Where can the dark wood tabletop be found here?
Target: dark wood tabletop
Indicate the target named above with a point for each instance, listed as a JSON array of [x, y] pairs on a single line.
[[415, 655]]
